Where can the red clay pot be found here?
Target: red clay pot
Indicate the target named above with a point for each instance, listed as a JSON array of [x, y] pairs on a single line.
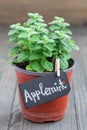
[[50, 111]]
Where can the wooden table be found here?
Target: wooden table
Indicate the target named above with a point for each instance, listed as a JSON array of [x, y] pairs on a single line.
[[76, 114]]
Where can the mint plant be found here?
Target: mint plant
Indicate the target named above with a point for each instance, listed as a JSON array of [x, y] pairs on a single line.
[[37, 44]]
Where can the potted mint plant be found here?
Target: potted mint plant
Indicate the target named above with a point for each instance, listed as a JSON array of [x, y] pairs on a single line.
[[37, 45]]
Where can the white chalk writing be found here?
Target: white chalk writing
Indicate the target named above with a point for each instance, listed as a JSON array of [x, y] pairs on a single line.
[[44, 91]]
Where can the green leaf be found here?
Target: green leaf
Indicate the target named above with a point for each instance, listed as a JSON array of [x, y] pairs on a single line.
[[13, 39], [66, 46], [73, 46], [43, 30], [35, 38], [40, 20], [21, 29], [35, 56], [53, 27], [67, 31], [23, 42], [23, 56], [23, 35], [63, 63], [66, 55], [54, 22], [11, 32], [47, 53], [14, 26], [29, 22], [40, 42], [50, 46], [59, 19], [36, 65], [47, 65], [41, 25], [34, 15], [33, 33], [28, 67], [14, 50], [37, 47], [66, 24]]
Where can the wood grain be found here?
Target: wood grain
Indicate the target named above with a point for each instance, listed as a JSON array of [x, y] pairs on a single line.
[[80, 91], [7, 91]]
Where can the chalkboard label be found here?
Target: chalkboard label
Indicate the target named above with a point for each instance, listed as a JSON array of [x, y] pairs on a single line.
[[44, 89]]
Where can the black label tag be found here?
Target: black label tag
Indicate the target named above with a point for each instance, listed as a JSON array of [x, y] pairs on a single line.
[[44, 89]]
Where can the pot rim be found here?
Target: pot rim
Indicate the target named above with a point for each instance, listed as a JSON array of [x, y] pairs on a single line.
[[43, 73]]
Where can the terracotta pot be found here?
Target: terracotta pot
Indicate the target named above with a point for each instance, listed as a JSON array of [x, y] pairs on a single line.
[[50, 111]]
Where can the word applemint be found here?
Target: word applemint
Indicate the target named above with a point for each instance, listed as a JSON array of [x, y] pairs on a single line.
[[36, 95]]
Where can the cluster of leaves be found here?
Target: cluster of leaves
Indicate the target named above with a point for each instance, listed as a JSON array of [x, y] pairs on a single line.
[[36, 43]]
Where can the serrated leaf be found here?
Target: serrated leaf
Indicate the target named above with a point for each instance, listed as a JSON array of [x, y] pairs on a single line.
[[53, 27], [53, 22], [23, 42], [13, 39], [63, 63], [43, 30], [40, 20], [23, 35], [13, 26], [67, 31], [66, 46], [55, 36], [40, 42], [66, 24], [36, 65], [47, 65], [47, 53], [35, 38], [37, 47], [21, 28], [59, 19], [41, 25], [11, 32], [50, 46], [33, 33], [35, 56], [73, 46], [34, 15], [28, 67], [29, 22], [14, 50], [66, 55], [23, 56]]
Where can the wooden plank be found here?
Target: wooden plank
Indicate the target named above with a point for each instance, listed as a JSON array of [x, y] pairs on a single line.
[[18, 122], [80, 89], [7, 92], [80, 79], [2, 67]]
